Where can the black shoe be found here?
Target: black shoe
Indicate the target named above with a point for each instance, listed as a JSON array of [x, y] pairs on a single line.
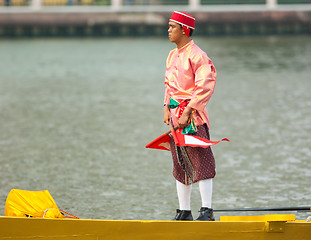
[[206, 214], [184, 215], [177, 213]]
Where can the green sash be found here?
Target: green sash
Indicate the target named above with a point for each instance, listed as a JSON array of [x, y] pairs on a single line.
[[191, 128]]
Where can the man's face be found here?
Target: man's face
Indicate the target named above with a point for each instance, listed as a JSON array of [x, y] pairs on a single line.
[[175, 32]]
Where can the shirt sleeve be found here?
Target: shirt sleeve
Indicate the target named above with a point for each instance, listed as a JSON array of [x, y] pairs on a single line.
[[205, 80], [166, 95], [166, 83]]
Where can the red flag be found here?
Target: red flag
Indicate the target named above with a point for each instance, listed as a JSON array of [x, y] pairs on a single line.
[[163, 142], [194, 141]]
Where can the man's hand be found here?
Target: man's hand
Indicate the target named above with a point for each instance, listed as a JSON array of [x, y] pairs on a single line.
[[166, 115], [183, 121]]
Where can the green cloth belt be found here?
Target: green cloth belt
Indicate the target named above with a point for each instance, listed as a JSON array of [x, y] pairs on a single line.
[[191, 128]]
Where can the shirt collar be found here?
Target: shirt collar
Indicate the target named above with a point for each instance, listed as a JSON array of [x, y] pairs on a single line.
[[185, 47]]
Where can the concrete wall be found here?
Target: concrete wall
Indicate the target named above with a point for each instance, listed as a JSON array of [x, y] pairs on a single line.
[[51, 22]]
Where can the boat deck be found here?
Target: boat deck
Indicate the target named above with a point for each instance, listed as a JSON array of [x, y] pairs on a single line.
[[238, 227]]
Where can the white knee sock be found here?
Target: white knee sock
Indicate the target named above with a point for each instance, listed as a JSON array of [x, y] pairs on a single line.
[[184, 195], [206, 191]]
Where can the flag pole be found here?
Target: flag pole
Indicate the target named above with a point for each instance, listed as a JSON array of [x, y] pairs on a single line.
[[169, 131], [183, 151], [275, 209], [172, 130]]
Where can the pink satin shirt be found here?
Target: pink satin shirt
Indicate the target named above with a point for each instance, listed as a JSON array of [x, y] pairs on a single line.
[[190, 74]]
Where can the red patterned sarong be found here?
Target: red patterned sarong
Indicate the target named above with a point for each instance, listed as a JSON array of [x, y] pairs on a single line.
[[200, 163]]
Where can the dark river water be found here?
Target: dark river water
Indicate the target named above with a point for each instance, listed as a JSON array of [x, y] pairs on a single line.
[[75, 115]]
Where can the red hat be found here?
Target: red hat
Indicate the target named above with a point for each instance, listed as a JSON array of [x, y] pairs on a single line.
[[184, 19]]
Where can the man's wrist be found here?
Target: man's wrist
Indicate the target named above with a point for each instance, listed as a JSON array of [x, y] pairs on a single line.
[[188, 110]]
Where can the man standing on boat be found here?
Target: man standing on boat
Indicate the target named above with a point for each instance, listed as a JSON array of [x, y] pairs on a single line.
[[190, 79]]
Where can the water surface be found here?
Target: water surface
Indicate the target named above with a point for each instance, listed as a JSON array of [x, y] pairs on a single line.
[[75, 115]]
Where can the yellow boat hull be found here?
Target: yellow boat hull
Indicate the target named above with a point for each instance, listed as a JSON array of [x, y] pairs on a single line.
[[267, 227]]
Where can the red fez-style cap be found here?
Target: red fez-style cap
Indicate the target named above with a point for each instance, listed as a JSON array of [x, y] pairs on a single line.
[[184, 19]]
